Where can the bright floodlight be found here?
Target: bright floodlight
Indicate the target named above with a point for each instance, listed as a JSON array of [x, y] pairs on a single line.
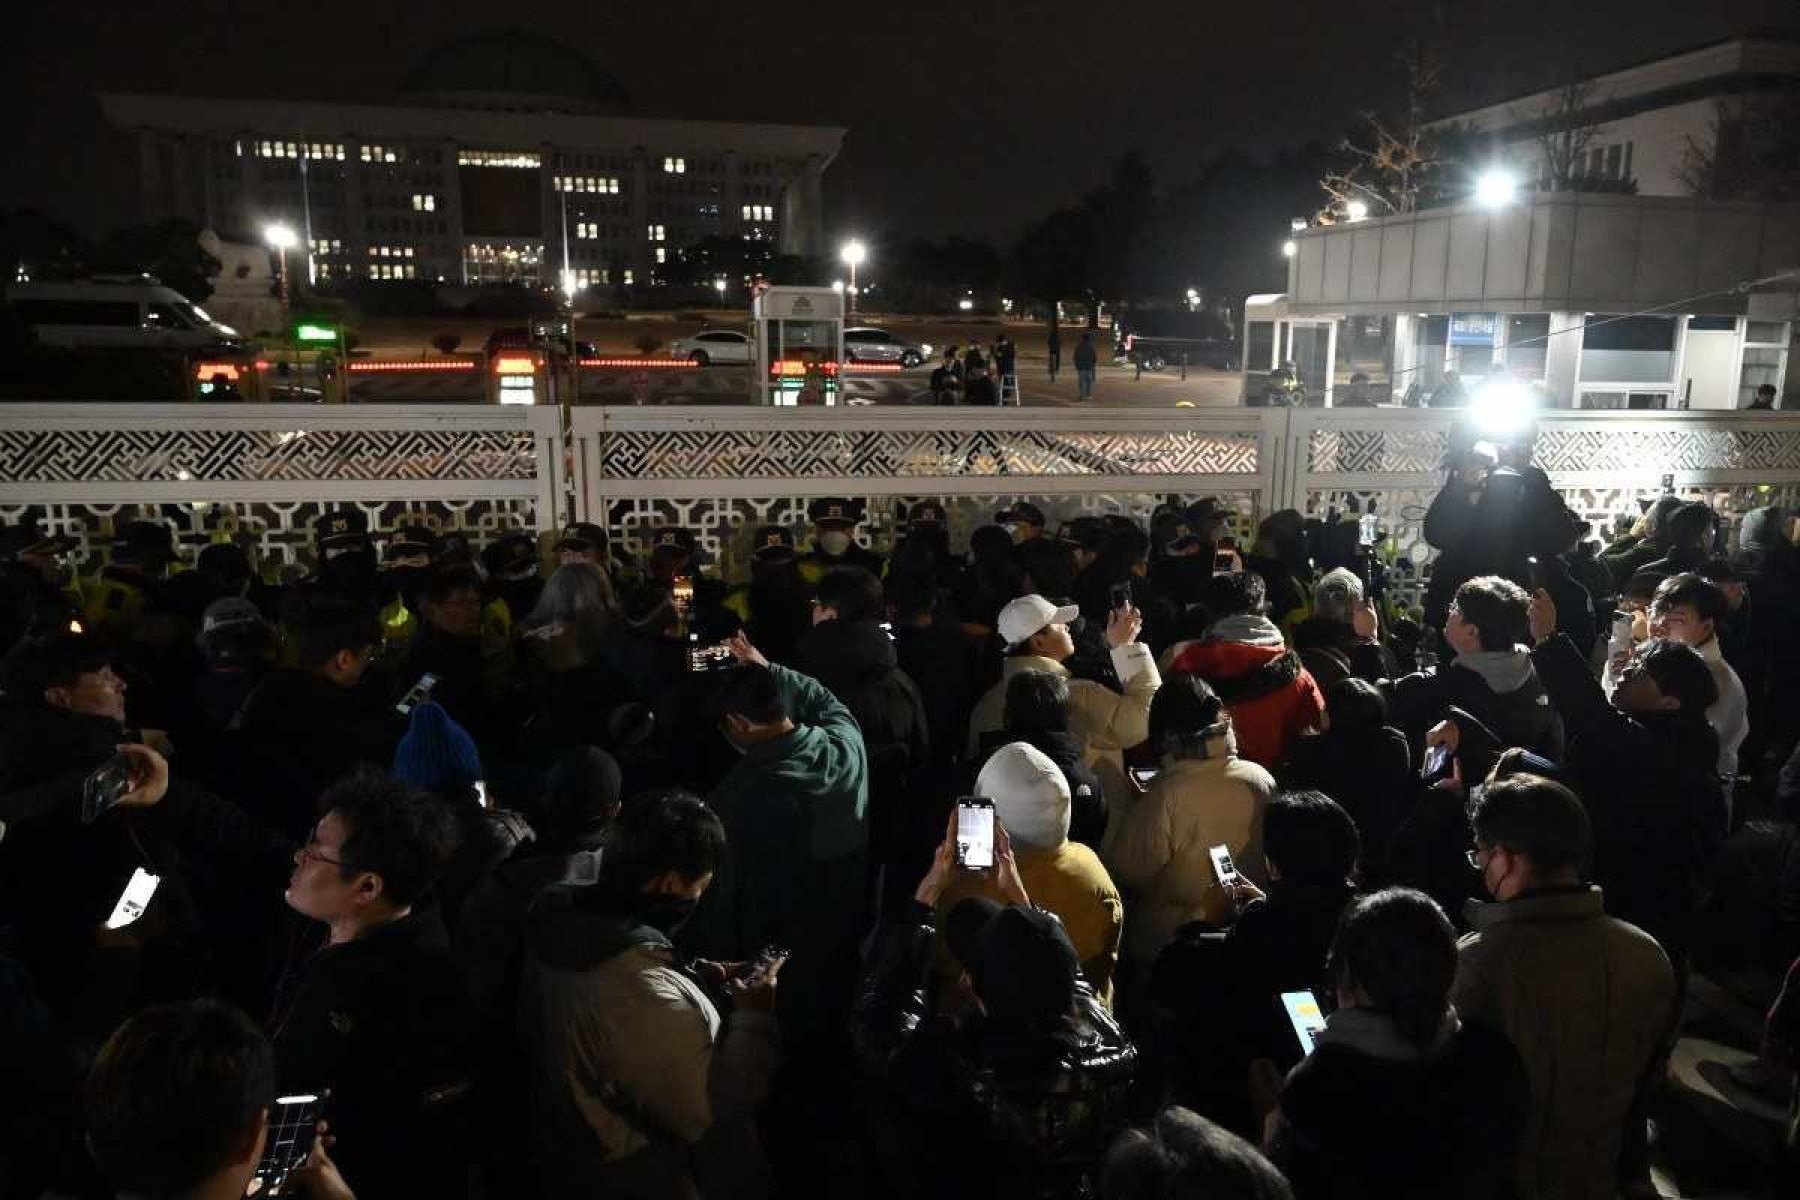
[[1496, 187], [855, 252], [1297, 225], [837, 285], [280, 236], [1290, 248], [965, 304], [1357, 210], [1502, 408]]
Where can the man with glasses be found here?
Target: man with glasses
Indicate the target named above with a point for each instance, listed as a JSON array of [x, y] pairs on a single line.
[[380, 1015], [1586, 999], [1644, 761], [1689, 609]]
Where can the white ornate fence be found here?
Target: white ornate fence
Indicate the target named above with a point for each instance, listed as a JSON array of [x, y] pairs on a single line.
[[261, 473]]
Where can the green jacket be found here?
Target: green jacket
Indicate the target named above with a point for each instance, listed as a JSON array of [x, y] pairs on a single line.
[[790, 806]]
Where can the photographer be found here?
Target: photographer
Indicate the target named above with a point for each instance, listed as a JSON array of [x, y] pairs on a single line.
[[1494, 511], [641, 1087]]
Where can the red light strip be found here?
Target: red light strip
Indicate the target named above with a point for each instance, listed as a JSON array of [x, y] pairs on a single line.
[[872, 368], [661, 364], [442, 364]]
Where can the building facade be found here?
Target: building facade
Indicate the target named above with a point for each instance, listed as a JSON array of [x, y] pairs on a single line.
[[501, 154], [1636, 124]]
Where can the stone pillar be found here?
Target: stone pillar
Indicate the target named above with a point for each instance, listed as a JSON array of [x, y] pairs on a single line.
[[1564, 358], [803, 210]]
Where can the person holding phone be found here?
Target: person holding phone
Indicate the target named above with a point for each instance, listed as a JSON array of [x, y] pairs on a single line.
[[1400, 1097], [639, 1085], [1032, 804], [1019, 1057]]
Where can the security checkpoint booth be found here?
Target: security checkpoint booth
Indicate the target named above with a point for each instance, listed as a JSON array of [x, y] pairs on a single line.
[[798, 339], [1594, 301]]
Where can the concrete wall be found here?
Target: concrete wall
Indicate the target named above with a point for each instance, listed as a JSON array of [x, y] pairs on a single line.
[[1548, 253]]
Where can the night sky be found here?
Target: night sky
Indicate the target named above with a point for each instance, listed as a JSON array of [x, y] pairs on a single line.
[[963, 118]]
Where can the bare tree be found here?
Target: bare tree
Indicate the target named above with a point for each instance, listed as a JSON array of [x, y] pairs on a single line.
[[1392, 170], [1564, 135], [1751, 151]]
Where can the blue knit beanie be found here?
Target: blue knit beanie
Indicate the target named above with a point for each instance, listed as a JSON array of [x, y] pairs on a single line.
[[437, 754]]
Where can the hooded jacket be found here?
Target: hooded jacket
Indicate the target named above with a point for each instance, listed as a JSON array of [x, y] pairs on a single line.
[[793, 806], [639, 1088], [857, 662], [1160, 851], [1587, 1000], [1272, 698], [300, 733], [1108, 722], [1499, 688], [1370, 773]]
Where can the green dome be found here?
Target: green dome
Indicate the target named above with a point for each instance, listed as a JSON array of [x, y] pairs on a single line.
[[511, 70]]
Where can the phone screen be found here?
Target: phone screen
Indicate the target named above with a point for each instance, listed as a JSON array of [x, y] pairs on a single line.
[[1143, 775], [1305, 1016], [134, 899], [1437, 763], [716, 657], [1224, 562], [417, 694], [1119, 595], [683, 594], [975, 833], [292, 1122], [1223, 868]]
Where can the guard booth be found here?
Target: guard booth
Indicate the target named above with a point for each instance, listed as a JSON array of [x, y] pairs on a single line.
[[798, 333]]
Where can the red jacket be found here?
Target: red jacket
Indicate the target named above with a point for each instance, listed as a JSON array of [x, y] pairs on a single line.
[[1272, 699]]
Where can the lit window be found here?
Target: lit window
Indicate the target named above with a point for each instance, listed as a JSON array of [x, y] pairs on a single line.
[[657, 233], [239, 145], [662, 254], [629, 280], [499, 158], [675, 166], [424, 202]]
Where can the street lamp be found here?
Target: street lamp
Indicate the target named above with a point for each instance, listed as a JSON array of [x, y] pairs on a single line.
[[282, 238], [1496, 187], [837, 285], [719, 287], [854, 254]]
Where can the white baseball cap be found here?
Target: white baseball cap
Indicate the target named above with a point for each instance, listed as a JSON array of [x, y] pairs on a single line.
[[1030, 795], [1025, 616]]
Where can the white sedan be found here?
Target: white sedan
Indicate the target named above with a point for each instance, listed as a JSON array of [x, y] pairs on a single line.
[[713, 346]]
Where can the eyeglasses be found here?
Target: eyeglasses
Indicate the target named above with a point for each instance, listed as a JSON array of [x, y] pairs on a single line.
[[1474, 857], [310, 851]]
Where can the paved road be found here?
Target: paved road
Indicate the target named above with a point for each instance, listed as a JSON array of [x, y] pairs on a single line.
[[1117, 387]]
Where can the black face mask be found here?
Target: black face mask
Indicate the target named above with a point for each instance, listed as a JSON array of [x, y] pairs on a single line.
[[408, 583], [351, 574], [668, 913]]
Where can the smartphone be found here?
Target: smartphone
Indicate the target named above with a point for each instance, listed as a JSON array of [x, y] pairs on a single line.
[[134, 899], [1534, 573], [293, 1121], [1620, 640], [1437, 764], [768, 958], [105, 787], [1305, 1016], [1223, 868], [1228, 542], [716, 657], [1224, 562], [1143, 775], [975, 833], [481, 792], [683, 594], [417, 694], [1119, 595]]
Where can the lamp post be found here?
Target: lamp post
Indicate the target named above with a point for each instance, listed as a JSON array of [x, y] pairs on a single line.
[[854, 254], [282, 238]]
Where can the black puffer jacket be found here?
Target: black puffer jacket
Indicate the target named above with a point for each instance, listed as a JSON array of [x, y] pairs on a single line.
[[1042, 1107], [856, 662], [1369, 772]]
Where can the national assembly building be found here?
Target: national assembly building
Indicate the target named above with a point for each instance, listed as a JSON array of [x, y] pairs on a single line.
[[499, 150]]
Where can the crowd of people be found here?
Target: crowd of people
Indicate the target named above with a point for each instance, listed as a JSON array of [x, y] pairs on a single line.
[[541, 869]]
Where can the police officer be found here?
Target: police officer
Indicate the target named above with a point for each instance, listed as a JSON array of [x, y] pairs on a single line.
[[512, 568], [405, 569], [1024, 521], [585, 542], [834, 543], [128, 586], [35, 595], [776, 605], [924, 549], [346, 564]]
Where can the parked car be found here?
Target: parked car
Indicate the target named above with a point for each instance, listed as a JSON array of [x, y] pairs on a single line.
[[867, 344], [132, 312], [713, 346]]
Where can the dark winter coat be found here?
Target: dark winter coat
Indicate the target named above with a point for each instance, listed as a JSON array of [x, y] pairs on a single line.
[[299, 733], [857, 662], [1369, 772], [384, 1021], [1042, 1106], [1369, 1115], [1492, 535], [1500, 689], [1651, 790]]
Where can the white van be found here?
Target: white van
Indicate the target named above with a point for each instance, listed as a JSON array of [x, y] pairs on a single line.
[[110, 312]]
